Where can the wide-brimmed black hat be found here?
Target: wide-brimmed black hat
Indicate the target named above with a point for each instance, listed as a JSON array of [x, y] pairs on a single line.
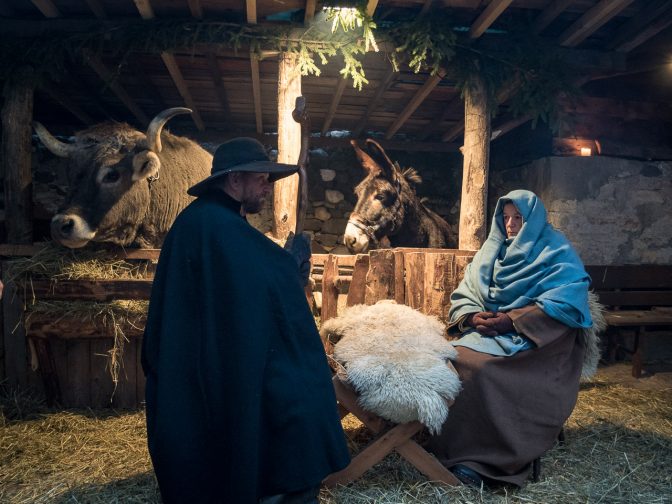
[[242, 155]]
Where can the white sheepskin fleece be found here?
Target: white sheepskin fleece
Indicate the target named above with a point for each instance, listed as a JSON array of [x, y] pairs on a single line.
[[592, 337], [395, 358]]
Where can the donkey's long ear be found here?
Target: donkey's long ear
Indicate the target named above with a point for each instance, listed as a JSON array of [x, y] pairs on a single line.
[[367, 162], [379, 155]]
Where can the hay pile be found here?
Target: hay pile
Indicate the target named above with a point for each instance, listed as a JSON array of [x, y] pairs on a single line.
[[618, 447]]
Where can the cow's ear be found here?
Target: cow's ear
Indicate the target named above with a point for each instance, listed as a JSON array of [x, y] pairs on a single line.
[[145, 164], [367, 162]]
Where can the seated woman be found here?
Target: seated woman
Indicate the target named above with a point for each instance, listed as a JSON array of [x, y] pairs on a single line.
[[520, 308]]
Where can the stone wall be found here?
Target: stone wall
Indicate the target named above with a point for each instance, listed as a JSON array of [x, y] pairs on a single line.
[[614, 211]]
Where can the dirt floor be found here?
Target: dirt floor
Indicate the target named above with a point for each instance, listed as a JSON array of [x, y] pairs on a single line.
[[618, 450]]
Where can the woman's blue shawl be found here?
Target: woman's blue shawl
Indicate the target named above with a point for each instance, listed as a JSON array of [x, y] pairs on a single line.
[[538, 266]]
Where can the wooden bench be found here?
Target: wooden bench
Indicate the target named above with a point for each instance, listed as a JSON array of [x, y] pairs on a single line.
[[637, 296]]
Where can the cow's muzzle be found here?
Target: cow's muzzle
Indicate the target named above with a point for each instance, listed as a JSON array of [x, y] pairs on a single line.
[[71, 230]]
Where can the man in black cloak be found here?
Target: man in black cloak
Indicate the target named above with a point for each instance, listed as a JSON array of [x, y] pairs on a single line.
[[240, 406]]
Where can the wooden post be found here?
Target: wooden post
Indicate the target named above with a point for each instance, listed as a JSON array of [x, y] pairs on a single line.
[[286, 190], [17, 115], [473, 208], [380, 279]]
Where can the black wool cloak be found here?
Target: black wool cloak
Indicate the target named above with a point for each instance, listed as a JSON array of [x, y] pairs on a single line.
[[239, 397]]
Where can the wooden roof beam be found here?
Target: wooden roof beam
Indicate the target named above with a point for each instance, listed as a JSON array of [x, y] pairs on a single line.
[[646, 24], [487, 17], [548, 15], [216, 74], [591, 21], [340, 87], [251, 10], [47, 8], [385, 83], [415, 102], [66, 102], [97, 8], [195, 8], [175, 73], [310, 11], [144, 8], [110, 80], [371, 7]]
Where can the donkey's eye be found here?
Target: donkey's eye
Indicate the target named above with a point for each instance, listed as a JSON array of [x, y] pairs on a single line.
[[387, 198], [111, 177]]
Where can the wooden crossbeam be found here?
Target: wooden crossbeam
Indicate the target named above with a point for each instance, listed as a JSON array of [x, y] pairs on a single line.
[[195, 8], [175, 73], [111, 81], [548, 15], [384, 85], [650, 21], [97, 8], [415, 102], [47, 8], [310, 11], [335, 100], [216, 75], [591, 21], [251, 11], [371, 7], [487, 17]]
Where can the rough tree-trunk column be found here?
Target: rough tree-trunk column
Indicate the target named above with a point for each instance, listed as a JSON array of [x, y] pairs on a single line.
[[17, 115], [286, 190], [473, 208]]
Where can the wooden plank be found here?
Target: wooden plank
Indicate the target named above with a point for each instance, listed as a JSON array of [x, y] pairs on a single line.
[[635, 298], [644, 276], [59, 351], [195, 8], [548, 15], [371, 7], [256, 92], [15, 154], [44, 325], [487, 17], [329, 289], [357, 290], [415, 102], [182, 87], [16, 358], [76, 390], [343, 260], [309, 12], [101, 380], [140, 380], [414, 267], [216, 76], [439, 281], [91, 290], [629, 40], [399, 277], [251, 11], [591, 21], [426, 463], [335, 100], [20, 250], [380, 280], [624, 318]]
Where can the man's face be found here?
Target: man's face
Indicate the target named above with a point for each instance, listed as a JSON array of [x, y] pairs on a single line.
[[255, 189], [513, 221]]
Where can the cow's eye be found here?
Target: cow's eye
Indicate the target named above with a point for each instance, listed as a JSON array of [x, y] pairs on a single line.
[[111, 177]]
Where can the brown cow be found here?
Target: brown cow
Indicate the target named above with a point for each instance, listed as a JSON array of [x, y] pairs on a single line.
[[126, 187], [387, 206]]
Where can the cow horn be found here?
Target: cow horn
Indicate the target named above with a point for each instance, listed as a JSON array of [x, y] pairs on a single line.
[[56, 147], [157, 124]]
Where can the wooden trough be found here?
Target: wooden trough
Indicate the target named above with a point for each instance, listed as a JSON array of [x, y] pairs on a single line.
[[68, 357]]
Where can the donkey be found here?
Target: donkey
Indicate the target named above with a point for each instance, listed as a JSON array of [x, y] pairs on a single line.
[[387, 207]]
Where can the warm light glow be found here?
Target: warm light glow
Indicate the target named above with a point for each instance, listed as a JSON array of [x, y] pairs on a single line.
[[586, 151]]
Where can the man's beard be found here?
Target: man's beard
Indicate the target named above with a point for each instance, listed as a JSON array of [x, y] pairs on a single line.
[[252, 206]]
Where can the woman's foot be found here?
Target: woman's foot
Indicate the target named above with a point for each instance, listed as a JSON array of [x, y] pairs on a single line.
[[467, 475]]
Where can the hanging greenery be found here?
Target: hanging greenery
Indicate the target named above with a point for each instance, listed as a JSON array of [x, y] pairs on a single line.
[[429, 44]]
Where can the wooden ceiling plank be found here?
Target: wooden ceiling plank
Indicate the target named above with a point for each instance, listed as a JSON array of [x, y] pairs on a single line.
[[47, 8], [256, 92], [487, 17], [336, 99], [216, 75], [181, 84], [97, 8], [66, 102], [646, 24], [106, 76], [373, 103], [415, 102], [142, 77], [310, 11], [591, 21], [548, 15], [251, 9], [195, 8], [144, 8]]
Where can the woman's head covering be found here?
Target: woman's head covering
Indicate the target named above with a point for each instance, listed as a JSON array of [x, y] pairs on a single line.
[[538, 266]]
